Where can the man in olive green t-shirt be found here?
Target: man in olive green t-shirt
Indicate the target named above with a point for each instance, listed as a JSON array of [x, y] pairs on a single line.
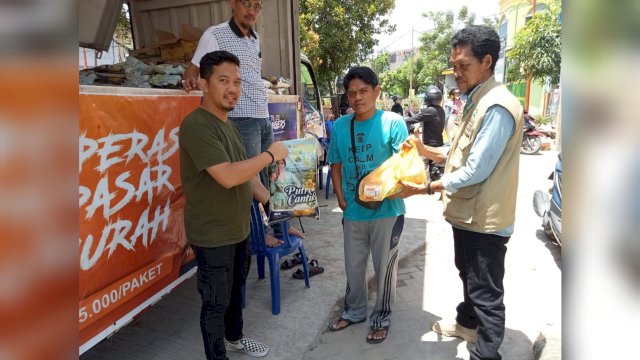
[[219, 183]]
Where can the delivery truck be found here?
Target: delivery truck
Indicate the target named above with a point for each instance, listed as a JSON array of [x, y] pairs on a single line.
[[132, 244]]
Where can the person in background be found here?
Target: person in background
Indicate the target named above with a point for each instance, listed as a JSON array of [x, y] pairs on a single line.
[[361, 143], [343, 104], [529, 121], [431, 118], [397, 105], [480, 186], [251, 115], [454, 104], [409, 111], [219, 181], [453, 108]]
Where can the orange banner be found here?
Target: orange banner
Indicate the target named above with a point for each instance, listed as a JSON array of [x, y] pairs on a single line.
[[132, 240], [98, 305]]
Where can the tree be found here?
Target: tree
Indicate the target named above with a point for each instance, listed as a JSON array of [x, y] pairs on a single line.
[[396, 82], [433, 55], [335, 34], [122, 34], [436, 43], [536, 52], [380, 63]]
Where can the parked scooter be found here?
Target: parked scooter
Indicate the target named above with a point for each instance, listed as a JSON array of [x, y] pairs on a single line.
[[550, 208], [531, 142]]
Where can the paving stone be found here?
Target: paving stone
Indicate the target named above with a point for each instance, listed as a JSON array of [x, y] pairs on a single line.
[[428, 290]]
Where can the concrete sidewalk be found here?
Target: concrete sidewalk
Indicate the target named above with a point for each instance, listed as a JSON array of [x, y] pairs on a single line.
[[420, 302], [428, 289], [170, 329]]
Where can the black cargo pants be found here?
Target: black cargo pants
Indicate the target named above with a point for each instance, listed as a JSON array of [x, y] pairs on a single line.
[[222, 272], [480, 261]]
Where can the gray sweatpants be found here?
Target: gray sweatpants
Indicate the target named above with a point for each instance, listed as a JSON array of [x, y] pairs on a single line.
[[381, 238]]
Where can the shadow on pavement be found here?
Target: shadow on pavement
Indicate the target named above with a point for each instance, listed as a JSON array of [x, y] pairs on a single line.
[[410, 335], [554, 248], [167, 330]]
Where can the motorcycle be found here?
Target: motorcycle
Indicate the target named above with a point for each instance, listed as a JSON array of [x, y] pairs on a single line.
[[550, 208], [531, 142], [434, 171]]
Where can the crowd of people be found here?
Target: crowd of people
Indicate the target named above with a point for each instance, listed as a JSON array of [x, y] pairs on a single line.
[[226, 145]]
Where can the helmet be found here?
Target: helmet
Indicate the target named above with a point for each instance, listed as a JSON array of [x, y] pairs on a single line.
[[433, 96], [394, 97]]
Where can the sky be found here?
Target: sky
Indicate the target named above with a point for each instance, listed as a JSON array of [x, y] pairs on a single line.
[[408, 13]]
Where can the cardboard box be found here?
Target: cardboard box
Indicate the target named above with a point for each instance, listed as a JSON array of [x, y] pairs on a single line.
[[169, 52], [190, 33], [172, 47], [189, 48], [180, 50], [145, 53], [165, 37]]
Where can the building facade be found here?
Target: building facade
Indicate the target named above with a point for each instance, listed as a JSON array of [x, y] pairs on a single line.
[[398, 57], [514, 14]]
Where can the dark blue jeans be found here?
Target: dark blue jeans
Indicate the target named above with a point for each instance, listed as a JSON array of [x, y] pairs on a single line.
[[480, 261], [222, 271], [257, 136]]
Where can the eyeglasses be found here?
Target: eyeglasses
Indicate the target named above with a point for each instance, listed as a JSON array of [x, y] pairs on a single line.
[[247, 5]]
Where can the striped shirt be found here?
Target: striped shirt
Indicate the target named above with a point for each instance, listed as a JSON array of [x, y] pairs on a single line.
[[228, 36]]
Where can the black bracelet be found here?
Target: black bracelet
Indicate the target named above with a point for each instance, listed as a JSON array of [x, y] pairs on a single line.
[[273, 159]]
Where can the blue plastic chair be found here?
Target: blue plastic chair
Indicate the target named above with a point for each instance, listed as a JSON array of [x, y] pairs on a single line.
[[261, 251], [328, 184], [329, 126]]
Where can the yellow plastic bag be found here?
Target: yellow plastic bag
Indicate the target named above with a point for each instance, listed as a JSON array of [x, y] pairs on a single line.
[[384, 181]]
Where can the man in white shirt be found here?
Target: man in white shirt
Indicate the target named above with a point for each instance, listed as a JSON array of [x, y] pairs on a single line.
[[237, 36]]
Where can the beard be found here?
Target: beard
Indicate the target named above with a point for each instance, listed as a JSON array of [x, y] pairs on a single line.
[[229, 107]]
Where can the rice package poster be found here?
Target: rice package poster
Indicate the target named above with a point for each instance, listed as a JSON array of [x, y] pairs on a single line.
[[293, 182]]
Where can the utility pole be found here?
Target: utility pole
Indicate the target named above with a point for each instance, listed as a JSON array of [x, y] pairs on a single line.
[[411, 64], [528, 93]]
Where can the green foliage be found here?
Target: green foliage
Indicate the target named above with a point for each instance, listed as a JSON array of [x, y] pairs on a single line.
[[122, 34], [433, 56], [335, 34], [513, 71], [542, 119], [537, 46], [381, 63], [492, 21], [396, 82], [436, 43]]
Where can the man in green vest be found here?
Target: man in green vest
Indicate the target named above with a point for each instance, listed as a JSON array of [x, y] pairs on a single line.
[[479, 185]]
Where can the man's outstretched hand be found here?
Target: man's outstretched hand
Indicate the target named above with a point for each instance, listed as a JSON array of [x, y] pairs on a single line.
[[408, 190]]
